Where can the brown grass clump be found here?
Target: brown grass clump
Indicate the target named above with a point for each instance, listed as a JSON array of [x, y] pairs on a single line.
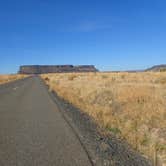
[[130, 105], [12, 77]]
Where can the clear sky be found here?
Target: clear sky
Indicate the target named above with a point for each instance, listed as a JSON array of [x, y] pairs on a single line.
[[111, 34]]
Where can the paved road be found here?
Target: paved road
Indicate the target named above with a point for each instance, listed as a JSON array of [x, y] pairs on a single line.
[[32, 130]]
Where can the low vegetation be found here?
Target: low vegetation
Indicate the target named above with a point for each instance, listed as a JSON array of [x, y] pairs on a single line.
[[132, 106], [12, 77]]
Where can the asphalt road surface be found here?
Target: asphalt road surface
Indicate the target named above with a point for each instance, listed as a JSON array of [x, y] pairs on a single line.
[[33, 131]]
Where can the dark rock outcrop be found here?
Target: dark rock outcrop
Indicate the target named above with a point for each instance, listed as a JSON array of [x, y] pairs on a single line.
[[157, 68], [41, 69]]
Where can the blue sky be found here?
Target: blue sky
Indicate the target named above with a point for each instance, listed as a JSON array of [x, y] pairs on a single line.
[[111, 34]]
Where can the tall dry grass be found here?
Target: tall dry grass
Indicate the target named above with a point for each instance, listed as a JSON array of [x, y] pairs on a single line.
[[12, 77], [130, 105]]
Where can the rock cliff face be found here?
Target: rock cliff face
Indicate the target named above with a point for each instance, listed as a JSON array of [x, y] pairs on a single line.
[[157, 68], [41, 69]]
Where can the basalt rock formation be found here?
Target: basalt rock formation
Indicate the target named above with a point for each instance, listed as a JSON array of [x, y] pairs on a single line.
[[41, 69], [158, 68]]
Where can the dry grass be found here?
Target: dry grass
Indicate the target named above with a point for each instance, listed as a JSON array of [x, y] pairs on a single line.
[[130, 105], [12, 77]]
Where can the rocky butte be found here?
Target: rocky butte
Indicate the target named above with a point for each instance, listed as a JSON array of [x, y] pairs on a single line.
[[41, 69], [158, 68]]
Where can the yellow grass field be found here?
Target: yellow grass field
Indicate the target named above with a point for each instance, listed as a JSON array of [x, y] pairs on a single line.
[[132, 106], [12, 77]]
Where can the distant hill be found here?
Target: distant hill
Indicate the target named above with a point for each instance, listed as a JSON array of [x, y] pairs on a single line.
[[157, 68], [40, 69]]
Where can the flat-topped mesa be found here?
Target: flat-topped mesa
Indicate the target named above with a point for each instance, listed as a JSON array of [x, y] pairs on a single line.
[[41, 69], [85, 68]]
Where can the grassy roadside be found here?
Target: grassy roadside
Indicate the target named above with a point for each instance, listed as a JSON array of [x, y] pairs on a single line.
[[8, 78], [130, 105]]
